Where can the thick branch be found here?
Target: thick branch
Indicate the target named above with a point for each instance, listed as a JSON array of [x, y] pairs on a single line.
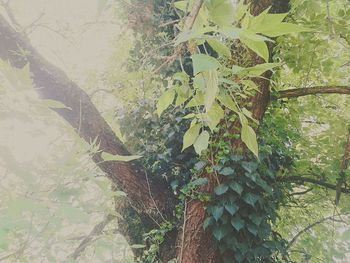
[[146, 193], [299, 179], [294, 93]]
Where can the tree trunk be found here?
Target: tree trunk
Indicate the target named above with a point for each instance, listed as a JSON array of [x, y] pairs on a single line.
[[198, 245], [149, 197]]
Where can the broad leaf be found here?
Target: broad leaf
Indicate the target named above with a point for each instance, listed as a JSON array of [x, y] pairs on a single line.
[[165, 100], [191, 136], [202, 62], [219, 47], [202, 142], [248, 136]]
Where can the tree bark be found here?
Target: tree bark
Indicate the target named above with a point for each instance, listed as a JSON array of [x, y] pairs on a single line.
[[150, 197], [195, 244]]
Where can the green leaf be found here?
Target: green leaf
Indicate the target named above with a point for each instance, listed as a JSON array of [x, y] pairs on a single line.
[[202, 62], [196, 101], [202, 142], [219, 47], [259, 47], [237, 223], [221, 12], [121, 158], [191, 136], [236, 187], [219, 232], [250, 199], [252, 229], [165, 100], [231, 207], [283, 29], [221, 189], [214, 116], [217, 212], [199, 181], [212, 88], [227, 101], [227, 171], [208, 222], [248, 136]]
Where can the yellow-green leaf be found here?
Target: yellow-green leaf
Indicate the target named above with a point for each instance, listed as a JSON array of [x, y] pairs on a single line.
[[121, 158], [190, 136], [165, 100], [219, 47], [248, 136], [202, 142]]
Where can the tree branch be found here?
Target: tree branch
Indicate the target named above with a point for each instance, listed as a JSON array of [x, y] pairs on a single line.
[[96, 231], [300, 179], [52, 83], [344, 165], [294, 93], [294, 239]]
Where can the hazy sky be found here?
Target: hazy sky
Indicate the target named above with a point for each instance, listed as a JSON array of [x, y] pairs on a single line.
[[67, 32]]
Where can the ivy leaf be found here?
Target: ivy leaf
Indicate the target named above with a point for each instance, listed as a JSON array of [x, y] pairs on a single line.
[[237, 223], [199, 181], [202, 62], [165, 100], [236, 187], [227, 171], [219, 232], [191, 136], [256, 219], [208, 222], [250, 199], [217, 212], [248, 136], [202, 142], [221, 189], [252, 229], [231, 207], [219, 47], [121, 158]]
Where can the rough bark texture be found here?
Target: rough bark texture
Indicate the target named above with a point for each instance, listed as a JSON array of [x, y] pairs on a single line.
[[150, 198], [148, 195], [196, 244]]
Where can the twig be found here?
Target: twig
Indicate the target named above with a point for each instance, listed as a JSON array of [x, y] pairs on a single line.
[[96, 231], [300, 179], [189, 22], [294, 239], [299, 92], [344, 165]]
